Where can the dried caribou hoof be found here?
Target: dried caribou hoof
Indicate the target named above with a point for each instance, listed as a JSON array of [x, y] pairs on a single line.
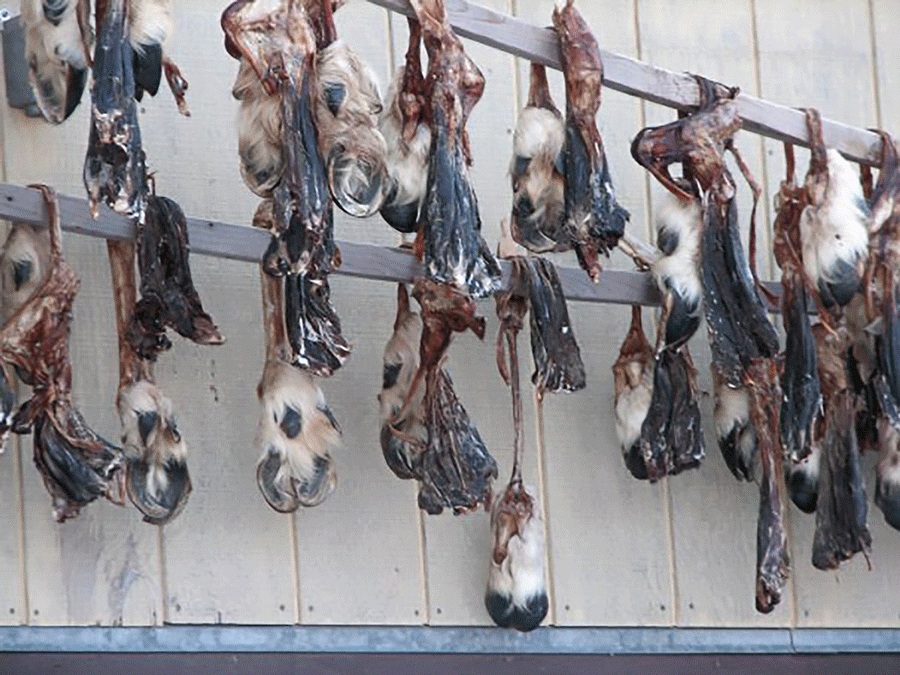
[[802, 478], [296, 434], [516, 596], [355, 182], [157, 478]]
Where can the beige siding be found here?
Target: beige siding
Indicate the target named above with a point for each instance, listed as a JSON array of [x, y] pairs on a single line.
[[620, 552]]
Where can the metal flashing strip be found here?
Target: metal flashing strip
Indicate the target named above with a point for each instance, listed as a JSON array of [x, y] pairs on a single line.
[[441, 640]]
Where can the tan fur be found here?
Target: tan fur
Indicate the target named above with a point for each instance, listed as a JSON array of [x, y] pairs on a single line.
[[284, 385], [260, 132], [150, 22], [355, 126], [50, 52]]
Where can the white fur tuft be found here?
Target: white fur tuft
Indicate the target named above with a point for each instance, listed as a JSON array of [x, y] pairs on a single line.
[[680, 269], [151, 22], [632, 405], [521, 573], [835, 226]]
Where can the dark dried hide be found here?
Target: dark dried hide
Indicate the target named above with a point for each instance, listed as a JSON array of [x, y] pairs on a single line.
[[516, 595], [456, 468], [76, 464], [557, 358], [297, 430], [841, 508], [449, 238], [114, 170], [633, 374], [772, 558], [168, 297], [278, 43], [802, 402], [594, 219], [671, 435], [403, 431], [57, 40], [739, 329], [841, 529], [313, 327], [156, 471], [883, 265], [538, 171]]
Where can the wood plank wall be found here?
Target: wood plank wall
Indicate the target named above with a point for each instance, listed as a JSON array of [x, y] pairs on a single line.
[[620, 552]]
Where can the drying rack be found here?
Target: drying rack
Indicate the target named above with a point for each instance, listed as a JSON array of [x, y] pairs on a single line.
[[517, 37]]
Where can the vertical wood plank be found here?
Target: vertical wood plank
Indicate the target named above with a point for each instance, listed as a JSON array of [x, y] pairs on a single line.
[[227, 538], [359, 551], [13, 608], [818, 54], [711, 512]]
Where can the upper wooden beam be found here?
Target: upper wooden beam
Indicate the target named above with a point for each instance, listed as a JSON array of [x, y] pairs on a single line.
[[675, 90], [242, 242]]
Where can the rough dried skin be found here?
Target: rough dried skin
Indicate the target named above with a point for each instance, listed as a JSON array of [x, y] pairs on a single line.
[[594, 219], [277, 40], [516, 596], [802, 400], [672, 436], [772, 559], [841, 529], [739, 329], [557, 358], [450, 239], [313, 327], [168, 297], [77, 465], [457, 469], [538, 172], [114, 170], [697, 140]]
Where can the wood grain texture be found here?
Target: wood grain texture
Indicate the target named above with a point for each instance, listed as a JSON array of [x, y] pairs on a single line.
[[12, 590], [635, 78]]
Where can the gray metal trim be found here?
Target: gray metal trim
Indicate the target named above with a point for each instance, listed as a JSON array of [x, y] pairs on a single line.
[[441, 640]]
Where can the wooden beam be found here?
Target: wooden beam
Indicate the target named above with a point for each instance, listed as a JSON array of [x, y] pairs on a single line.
[[675, 90], [242, 242]]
